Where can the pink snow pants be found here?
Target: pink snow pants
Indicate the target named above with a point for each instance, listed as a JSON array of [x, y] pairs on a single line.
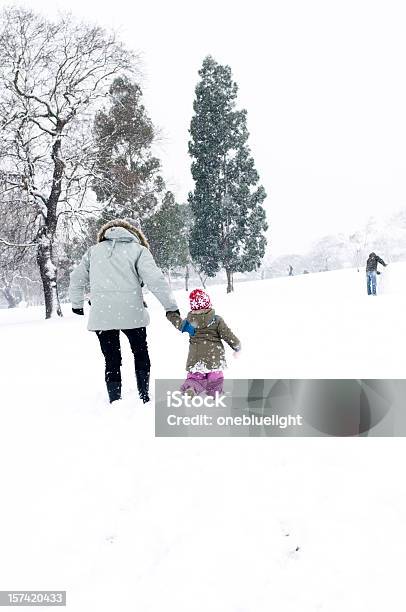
[[209, 383]]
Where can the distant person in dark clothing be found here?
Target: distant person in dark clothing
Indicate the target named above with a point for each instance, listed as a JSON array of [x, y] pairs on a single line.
[[371, 270]]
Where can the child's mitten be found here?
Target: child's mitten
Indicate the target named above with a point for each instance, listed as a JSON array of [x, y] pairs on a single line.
[[188, 328]]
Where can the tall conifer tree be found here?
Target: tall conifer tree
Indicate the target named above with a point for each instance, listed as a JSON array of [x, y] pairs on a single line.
[[128, 176], [229, 220]]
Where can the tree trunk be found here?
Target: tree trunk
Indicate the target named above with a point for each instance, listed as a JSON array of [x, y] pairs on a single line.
[[187, 278], [48, 274], [200, 276], [11, 301], [47, 267], [230, 284]]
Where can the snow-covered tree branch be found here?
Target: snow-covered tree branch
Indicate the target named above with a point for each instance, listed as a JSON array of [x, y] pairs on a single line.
[[54, 75]]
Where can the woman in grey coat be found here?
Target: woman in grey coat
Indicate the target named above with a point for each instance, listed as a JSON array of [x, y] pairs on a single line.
[[116, 268]]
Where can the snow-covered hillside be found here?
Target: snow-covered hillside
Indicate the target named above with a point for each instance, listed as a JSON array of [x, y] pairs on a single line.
[[94, 504]]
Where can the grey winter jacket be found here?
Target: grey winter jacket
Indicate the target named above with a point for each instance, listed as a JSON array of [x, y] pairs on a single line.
[[115, 268]]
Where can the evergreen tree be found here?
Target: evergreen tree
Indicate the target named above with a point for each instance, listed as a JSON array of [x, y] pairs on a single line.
[[229, 220], [128, 178], [166, 232]]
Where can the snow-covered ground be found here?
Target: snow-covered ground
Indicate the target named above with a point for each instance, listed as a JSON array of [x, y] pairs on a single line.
[[93, 504]]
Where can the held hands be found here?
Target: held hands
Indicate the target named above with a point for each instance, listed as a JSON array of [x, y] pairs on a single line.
[[176, 320]]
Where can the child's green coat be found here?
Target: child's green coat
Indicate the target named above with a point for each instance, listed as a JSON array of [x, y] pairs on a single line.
[[206, 349]]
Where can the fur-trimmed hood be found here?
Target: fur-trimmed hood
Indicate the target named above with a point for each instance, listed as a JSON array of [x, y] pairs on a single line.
[[125, 225]]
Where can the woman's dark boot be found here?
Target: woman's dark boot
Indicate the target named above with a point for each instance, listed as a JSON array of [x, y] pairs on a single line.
[[143, 384], [114, 391]]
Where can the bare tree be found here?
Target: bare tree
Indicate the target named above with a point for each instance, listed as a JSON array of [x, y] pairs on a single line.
[[53, 78], [16, 263]]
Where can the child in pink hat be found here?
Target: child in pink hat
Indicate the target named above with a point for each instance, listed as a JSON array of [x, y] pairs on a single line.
[[206, 359]]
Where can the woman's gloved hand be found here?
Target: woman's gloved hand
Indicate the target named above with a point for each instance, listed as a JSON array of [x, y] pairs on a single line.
[[78, 311], [174, 317]]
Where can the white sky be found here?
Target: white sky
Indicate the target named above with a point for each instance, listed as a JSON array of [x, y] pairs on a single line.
[[324, 85]]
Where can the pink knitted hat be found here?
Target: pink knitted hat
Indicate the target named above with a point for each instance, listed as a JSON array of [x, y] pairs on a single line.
[[199, 300]]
